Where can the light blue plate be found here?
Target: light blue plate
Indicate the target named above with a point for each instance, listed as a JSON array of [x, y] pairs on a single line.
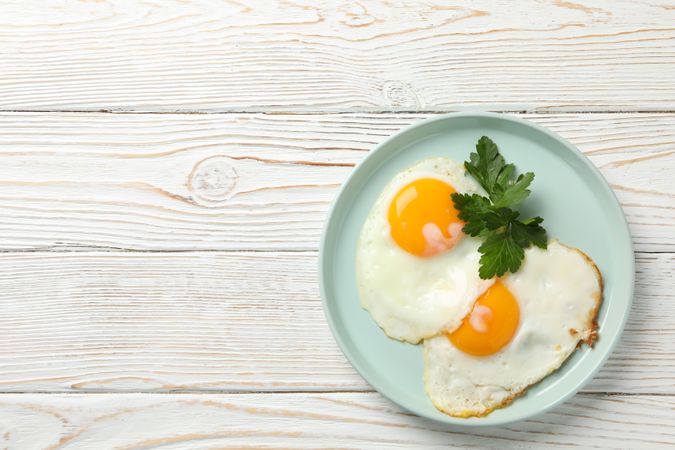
[[578, 206]]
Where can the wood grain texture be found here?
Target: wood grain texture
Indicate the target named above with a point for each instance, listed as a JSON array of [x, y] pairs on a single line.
[[231, 321], [338, 421], [210, 55], [175, 254], [257, 181]]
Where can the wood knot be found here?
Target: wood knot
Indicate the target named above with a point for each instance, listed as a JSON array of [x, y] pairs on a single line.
[[400, 95], [356, 15], [213, 179]]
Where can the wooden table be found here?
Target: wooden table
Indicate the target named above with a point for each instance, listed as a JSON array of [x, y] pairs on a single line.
[[166, 167]]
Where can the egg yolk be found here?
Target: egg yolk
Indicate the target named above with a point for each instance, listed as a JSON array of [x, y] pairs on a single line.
[[423, 219], [490, 325]]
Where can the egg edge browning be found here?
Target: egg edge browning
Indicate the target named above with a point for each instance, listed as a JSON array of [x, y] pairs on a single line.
[[593, 332], [588, 337]]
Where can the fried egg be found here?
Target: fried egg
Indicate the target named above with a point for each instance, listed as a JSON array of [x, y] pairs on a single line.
[[520, 330], [417, 274]]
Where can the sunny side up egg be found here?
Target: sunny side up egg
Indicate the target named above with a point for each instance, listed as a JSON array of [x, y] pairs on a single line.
[[519, 331], [417, 274]]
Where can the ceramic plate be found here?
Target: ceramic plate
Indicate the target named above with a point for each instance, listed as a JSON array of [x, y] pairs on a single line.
[[579, 209]]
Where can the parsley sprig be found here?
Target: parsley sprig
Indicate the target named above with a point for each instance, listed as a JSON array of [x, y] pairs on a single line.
[[504, 234]]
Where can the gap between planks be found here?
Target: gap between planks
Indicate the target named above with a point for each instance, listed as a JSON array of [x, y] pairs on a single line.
[[109, 249], [287, 392], [273, 112]]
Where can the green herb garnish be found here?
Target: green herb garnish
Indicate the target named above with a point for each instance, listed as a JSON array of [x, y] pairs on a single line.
[[491, 218]]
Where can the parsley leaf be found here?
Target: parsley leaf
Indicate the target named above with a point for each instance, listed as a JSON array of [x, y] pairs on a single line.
[[491, 218], [472, 209], [486, 164], [512, 192], [505, 241], [500, 253], [529, 232], [498, 179]]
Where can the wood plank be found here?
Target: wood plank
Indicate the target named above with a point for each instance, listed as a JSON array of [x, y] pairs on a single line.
[[166, 182], [344, 421], [298, 55], [232, 321]]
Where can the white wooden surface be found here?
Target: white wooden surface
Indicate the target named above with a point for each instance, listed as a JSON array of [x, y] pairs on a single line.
[[209, 55], [334, 420], [158, 266]]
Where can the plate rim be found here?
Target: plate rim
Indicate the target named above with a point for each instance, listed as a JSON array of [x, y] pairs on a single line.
[[322, 263]]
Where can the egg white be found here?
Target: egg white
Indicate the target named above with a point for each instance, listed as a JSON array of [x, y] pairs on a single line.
[[412, 297], [559, 291]]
